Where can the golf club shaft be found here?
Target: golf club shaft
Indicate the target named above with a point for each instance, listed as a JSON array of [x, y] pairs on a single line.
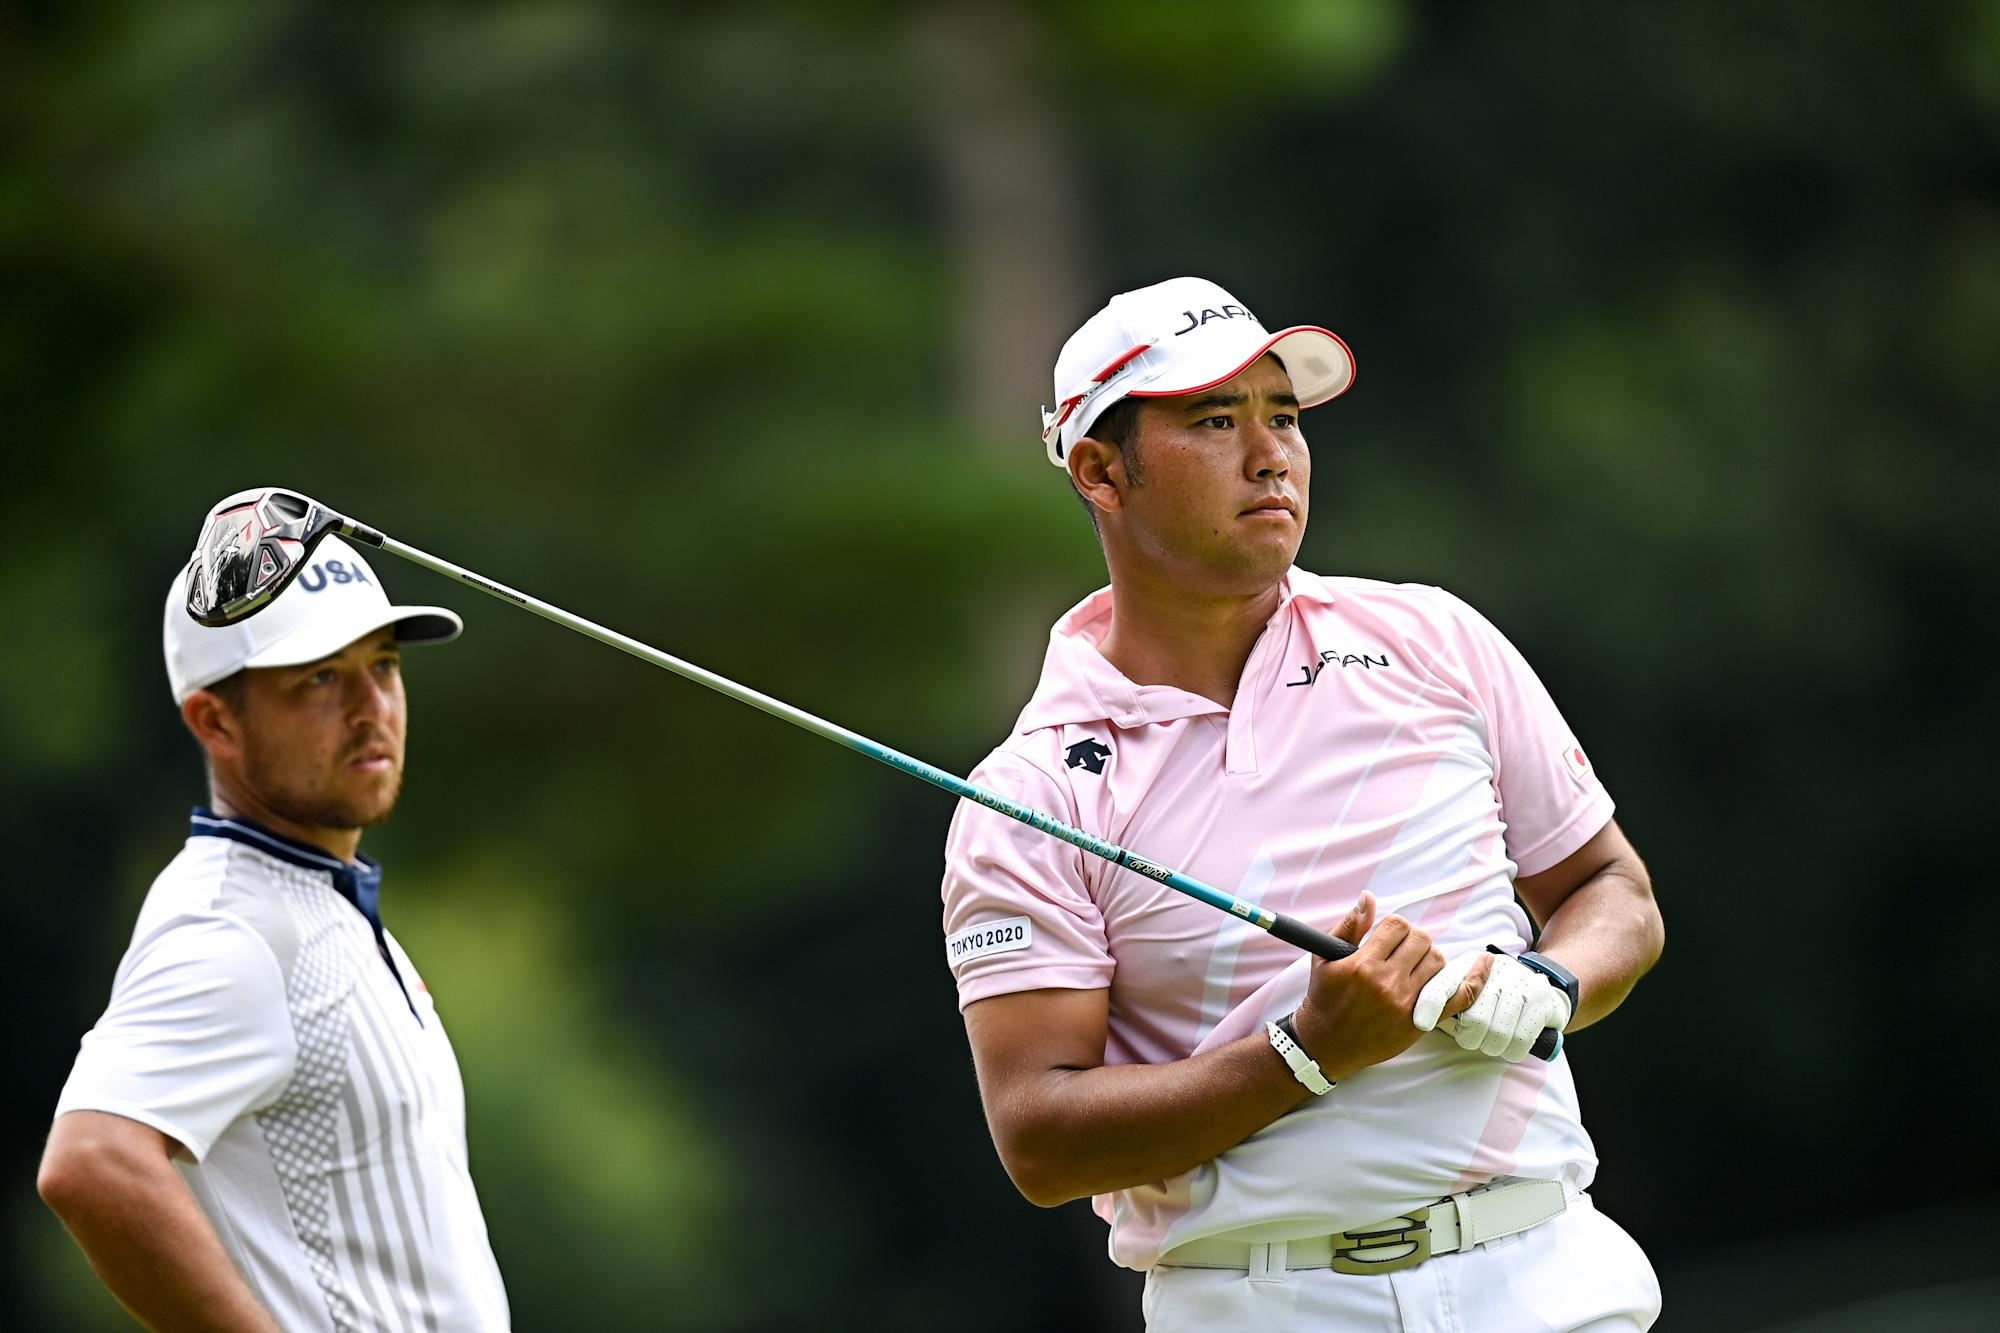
[[1289, 929]]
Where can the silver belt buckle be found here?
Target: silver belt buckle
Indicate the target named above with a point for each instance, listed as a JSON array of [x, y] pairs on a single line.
[[1395, 1247]]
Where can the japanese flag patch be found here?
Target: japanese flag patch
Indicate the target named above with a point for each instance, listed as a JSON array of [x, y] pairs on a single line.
[[988, 937], [1576, 762]]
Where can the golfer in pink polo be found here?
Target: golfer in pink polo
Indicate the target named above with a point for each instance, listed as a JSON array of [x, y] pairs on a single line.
[[1277, 1141]]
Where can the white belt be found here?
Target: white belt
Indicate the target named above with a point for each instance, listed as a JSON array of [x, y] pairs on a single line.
[[1457, 1223]]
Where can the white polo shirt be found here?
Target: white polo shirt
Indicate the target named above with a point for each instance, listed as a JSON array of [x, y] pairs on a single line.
[[1383, 737], [264, 1019]]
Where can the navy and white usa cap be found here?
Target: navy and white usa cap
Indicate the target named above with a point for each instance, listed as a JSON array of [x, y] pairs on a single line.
[[335, 600], [1174, 337]]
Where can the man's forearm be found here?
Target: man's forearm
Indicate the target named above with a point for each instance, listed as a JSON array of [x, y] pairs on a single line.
[[1067, 1125], [1608, 932], [143, 1233], [1113, 1127]]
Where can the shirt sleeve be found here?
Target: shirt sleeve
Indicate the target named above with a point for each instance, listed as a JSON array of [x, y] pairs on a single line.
[[197, 1033], [1017, 913], [1550, 797]]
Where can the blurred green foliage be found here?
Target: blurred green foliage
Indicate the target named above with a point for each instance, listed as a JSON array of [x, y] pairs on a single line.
[[1677, 331]]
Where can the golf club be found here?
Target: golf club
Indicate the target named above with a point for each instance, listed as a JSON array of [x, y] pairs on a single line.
[[254, 543]]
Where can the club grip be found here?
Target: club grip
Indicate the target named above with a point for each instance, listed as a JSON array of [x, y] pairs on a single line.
[[1293, 931]]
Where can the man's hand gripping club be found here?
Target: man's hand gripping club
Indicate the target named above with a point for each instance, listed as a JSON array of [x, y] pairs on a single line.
[[1359, 1011], [1503, 1005]]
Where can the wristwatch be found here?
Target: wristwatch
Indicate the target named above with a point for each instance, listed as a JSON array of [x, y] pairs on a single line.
[[1285, 1041], [1564, 979]]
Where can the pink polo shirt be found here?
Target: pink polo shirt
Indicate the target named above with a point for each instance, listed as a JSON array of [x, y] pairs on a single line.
[[1384, 737]]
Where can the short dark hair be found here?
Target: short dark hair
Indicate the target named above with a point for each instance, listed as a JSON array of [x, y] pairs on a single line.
[[232, 689], [1119, 425]]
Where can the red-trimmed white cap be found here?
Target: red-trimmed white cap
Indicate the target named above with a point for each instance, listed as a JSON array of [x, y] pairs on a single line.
[[335, 600], [1174, 337]]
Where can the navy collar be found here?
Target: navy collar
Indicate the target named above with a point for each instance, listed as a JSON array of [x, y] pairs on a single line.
[[359, 881]]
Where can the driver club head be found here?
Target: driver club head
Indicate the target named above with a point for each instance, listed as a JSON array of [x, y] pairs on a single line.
[[252, 545]]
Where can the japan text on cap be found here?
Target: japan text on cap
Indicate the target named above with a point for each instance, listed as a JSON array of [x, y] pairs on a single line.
[[335, 600], [1176, 337]]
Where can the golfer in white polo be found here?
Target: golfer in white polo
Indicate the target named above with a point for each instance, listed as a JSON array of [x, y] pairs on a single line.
[[266, 1128]]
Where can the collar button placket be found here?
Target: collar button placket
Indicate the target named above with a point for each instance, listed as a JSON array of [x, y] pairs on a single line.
[[1241, 751]]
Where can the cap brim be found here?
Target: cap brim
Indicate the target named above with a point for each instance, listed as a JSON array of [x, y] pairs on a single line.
[[324, 638], [1320, 366]]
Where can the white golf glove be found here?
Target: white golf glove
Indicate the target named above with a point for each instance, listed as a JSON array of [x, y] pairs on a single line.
[[1515, 1006]]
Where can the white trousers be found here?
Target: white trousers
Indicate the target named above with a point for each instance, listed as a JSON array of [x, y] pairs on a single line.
[[1578, 1273]]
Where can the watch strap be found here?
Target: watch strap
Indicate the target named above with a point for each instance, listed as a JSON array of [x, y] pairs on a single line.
[[1564, 979], [1285, 1041]]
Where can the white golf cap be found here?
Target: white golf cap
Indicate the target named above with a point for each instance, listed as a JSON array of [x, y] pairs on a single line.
[[1174, 337], [335, 600]]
